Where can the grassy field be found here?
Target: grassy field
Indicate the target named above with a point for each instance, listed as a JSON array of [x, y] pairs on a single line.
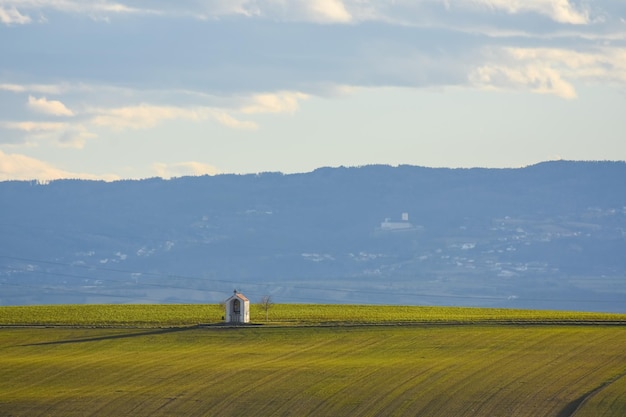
[[146, 315], [436, 369]]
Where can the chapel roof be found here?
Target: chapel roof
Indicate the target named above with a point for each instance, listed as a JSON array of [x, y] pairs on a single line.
[[240, 296]]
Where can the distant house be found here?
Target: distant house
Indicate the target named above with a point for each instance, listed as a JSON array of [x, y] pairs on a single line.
[[389, 225], [237, 308]]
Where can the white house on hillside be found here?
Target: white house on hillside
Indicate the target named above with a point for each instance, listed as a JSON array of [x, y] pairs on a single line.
[[237, 308], [389, 225]]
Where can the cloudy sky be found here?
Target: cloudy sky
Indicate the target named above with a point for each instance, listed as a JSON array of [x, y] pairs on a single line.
[[108, 89]]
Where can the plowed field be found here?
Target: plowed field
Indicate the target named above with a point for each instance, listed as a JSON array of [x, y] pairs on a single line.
[[409, 370]]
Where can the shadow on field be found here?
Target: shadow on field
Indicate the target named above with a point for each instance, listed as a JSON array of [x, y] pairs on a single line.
[[115, 336], [572, 408]]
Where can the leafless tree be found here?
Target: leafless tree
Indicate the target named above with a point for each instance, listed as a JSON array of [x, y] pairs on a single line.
[[265, 303]]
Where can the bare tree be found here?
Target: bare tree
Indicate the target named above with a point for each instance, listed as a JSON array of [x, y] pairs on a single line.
[[265, 303]]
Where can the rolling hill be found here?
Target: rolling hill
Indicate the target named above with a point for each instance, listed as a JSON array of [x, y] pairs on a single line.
[[547, 236]]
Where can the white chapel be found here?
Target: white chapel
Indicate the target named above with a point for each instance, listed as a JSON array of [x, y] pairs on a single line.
[[237, 308]]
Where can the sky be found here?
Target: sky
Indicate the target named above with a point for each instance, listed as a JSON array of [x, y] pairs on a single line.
[[110, 90]]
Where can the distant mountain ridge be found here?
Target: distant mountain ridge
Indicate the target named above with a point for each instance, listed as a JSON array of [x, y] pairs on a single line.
[[551, 235]]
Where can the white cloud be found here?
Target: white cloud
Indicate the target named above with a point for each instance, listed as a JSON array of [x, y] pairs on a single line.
[[64, 135], [33, 88], [561, 11], [407, 11], [91, 8], [15, 88], [328, 11], [535, 78], [74, 136], [602, 64], [225, 7], [33, 127], [11, 16], [144, 116], [411, 11], [53, 107], [22, 167], [147, 116], [182, 169], [105, 6], [317, 11], [549, 70], [77, 131], [281, 102], [229, 121]]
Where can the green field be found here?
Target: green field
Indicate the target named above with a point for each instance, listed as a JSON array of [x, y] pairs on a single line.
[[437, 365], [159, 315]]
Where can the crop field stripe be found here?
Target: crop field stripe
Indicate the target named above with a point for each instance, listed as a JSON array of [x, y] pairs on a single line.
[[557, 364], [273, 379], [463, 380], [433, 370], [269, 371]]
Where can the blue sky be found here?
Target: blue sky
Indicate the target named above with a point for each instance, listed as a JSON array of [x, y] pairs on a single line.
[[133, 89]]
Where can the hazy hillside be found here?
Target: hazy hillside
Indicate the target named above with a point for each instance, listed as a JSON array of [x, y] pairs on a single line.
[[551, 235]]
